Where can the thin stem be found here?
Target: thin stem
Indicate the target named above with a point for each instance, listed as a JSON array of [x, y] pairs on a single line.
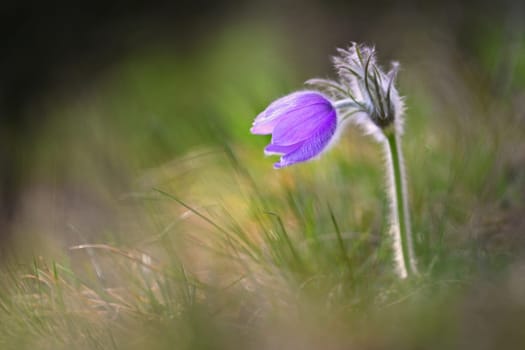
[[399, 210], [348, 102]]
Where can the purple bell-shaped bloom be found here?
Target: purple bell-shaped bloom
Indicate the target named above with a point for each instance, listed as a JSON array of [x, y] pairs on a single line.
[[302, 125]]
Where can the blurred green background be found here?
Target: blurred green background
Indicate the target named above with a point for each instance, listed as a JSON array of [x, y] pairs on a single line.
[[105, 104]]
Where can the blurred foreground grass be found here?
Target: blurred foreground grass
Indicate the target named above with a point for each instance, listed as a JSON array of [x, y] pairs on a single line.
[[153, 220]]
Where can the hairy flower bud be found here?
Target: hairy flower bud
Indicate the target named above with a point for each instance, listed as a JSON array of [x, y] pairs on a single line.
[[370, 92]]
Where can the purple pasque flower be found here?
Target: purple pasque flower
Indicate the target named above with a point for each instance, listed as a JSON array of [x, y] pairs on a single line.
[[302, 125]]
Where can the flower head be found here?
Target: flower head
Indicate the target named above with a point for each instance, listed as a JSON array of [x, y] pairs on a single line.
[[302, 125]]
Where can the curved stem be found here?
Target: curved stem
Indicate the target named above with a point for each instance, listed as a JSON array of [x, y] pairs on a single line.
[[399, 210], [345, 103]]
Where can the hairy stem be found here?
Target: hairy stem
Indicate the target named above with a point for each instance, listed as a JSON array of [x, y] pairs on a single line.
[[399, 210]]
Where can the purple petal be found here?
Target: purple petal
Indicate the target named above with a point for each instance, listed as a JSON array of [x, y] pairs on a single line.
[[302, 124], [283, 107], [310, 148], [280, 149]]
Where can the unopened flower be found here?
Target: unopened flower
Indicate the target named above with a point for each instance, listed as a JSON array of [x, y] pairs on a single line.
[[302, 125], [368, 85]]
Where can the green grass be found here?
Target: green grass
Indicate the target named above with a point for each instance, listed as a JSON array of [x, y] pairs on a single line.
[[197, 243]]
